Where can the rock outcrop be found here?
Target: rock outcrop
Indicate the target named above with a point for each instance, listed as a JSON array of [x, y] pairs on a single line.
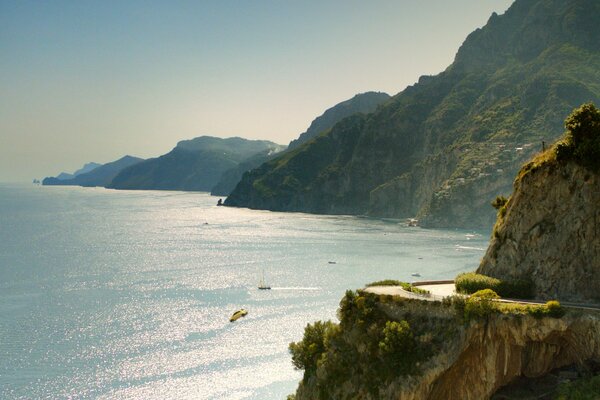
[[489, 355], [464, 360], [549, 231]]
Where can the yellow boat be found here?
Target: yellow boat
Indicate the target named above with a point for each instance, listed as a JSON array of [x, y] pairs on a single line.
[[237, 315]]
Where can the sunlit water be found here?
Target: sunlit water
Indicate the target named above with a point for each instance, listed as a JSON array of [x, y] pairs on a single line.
[[127, 295]]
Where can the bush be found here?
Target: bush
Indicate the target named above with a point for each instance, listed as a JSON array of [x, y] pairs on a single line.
[[485, 294], [555, 310], [582, 141], [307, 352], [471, 282], [551, 309], [564, 151], [386, 282], [499, 202], [480, 304], [398, 346]]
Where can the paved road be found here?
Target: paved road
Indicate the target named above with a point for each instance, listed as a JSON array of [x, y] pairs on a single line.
[[444, 289], [437, 291]]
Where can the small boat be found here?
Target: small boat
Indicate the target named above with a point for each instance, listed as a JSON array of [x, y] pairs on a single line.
[[238, 314], [412, 222], [416, 274], [332, 262], [262, 285]]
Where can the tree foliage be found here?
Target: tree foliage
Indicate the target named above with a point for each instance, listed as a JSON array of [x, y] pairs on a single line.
[[582, 141], [307, 352]]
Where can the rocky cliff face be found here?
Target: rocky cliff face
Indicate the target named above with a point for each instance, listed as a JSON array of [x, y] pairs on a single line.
[[444, 147], [489, 355], [550, 233], [467, 361]]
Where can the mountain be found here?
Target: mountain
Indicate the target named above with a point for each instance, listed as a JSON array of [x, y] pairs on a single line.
[[547, 233], [443, 148], [195, 164], [86, 168], [360, 103], [230, 178], [99, 176], [389, 345]]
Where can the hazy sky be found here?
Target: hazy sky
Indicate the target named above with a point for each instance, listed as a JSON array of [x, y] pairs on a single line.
[[94, 80]]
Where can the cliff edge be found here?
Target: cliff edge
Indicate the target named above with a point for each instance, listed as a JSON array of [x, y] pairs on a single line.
[[548, 232]]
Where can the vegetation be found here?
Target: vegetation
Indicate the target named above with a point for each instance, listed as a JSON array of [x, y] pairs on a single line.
[[471, 282], [405, 285], [368, 346], [381, 340], [307, 352], [581, 389], [398, 345], [195, 164], [455, 138], [480, 304], [582, 139], [483, 303], [499, 202]]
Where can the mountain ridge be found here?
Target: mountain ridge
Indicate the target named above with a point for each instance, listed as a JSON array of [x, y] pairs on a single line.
[[195, 165], [488, 112]]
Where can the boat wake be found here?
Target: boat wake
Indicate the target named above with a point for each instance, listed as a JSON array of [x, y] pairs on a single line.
[[459, 247], [296, 288]]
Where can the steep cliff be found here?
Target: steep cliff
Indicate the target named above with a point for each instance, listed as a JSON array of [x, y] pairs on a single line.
[[549, 231], [394, 348], [444, 147]]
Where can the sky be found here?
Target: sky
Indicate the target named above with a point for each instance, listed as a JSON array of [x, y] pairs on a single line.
[[85, 81]]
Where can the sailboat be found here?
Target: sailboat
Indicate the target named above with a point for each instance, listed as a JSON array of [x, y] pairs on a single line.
[[262, 285]]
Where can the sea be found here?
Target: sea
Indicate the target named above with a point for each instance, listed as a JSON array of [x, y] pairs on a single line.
[[109, 294]]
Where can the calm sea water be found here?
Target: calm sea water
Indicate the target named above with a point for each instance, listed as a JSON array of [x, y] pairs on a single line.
[[127, 295]]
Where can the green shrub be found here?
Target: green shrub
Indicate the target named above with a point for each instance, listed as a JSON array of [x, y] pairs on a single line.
[[582, 141], [554, 308], [480, 304], [499, 202], [564, 151], [551, 309], [485, 294], [398, 346], [471, 282], [307, 352], [386, 282]]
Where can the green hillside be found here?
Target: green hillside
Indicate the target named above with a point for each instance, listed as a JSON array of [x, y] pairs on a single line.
[[194, 165], [443, 148]]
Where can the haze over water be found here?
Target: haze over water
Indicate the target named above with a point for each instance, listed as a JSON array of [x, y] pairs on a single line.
[[127, 295]]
